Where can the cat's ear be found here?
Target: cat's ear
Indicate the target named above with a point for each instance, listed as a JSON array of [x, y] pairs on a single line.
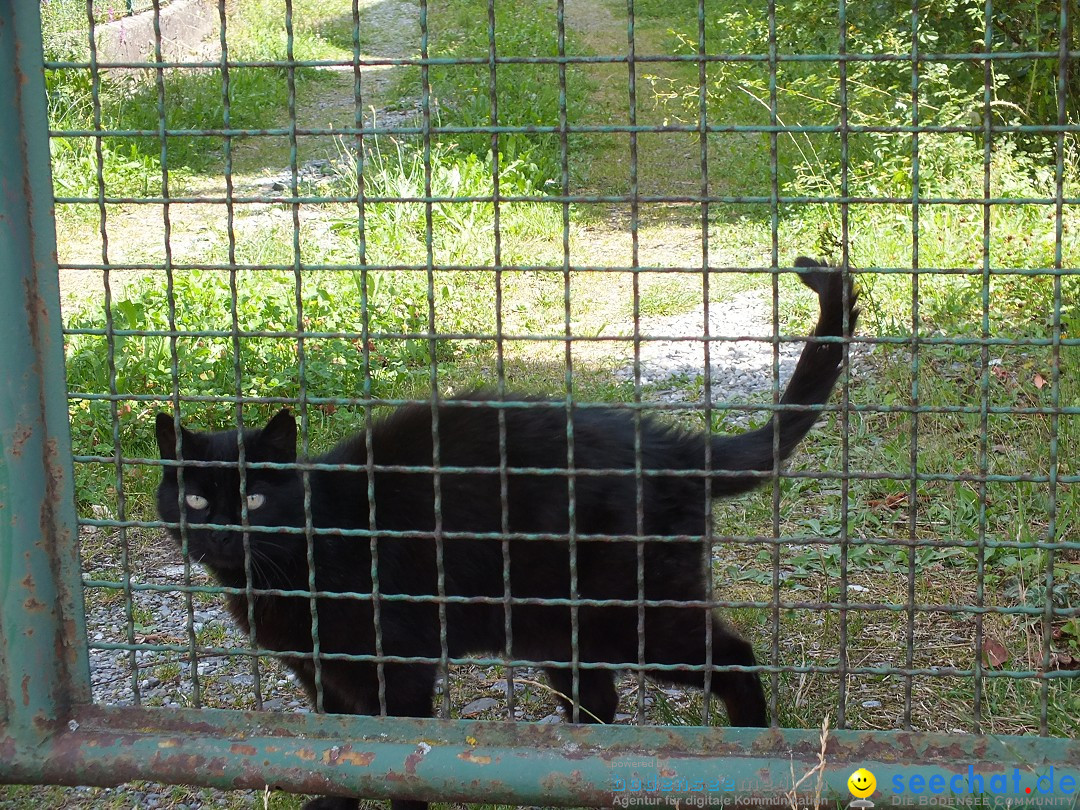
[[279, 436], [166, 435]]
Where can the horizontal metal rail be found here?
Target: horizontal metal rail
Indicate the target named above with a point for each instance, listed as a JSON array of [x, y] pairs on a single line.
[[529, 764]]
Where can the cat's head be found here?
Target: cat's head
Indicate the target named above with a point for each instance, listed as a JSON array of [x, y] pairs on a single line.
[[211, 494]]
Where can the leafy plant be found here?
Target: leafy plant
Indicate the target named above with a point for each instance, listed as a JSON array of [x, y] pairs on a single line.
[[208, 364]]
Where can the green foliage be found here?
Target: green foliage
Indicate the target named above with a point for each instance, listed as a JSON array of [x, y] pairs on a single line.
[[187, 99], [268, 366], [951, 93], [63, 29], [527, 94], [461, 232], [194, 101], [319, 31]]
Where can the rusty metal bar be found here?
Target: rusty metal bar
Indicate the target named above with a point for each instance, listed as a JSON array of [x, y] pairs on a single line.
[[43, 664], [527, 763]]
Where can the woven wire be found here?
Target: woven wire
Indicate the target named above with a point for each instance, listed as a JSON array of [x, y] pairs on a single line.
[[563, 196]]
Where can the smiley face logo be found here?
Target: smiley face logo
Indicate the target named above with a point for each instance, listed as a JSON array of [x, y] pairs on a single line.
[[861, 783]]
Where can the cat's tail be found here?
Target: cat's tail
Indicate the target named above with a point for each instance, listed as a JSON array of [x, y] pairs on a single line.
[[815, 375]]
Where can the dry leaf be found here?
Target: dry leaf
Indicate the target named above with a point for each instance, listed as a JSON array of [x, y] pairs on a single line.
[[994, 653], [1039, 381], [157, 638], [1061, 660], [894, 501]]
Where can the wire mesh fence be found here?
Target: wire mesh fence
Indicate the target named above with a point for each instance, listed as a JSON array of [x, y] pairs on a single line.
[[590, 213]]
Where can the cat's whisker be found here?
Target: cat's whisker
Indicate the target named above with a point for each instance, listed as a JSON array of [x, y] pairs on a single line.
[[259, 559]]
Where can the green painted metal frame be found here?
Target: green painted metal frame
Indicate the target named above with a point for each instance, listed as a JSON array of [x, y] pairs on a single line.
[[51, 732]]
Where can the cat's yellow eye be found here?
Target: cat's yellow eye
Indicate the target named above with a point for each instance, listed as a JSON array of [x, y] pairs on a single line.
[[196, 501], [255, 501]]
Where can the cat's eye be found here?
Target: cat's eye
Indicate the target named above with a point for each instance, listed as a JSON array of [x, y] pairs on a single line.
[[255, 501], [196, 501]]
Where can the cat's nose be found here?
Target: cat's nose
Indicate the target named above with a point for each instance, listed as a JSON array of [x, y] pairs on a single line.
[[220, 536]]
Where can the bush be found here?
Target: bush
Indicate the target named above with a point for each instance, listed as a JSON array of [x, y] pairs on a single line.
[[207, 364], [1024, 91]]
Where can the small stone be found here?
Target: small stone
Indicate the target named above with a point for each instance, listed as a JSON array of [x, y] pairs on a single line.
[[871, 704], [479, 705], [502, 687]]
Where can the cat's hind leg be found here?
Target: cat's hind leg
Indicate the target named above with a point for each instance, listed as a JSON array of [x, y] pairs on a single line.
[[677, 636], [597, 698], [409, 688]]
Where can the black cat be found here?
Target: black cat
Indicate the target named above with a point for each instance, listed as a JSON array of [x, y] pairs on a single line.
[[536, 504]]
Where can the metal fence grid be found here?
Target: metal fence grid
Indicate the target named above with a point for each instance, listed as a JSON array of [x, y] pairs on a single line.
[[60, 725]]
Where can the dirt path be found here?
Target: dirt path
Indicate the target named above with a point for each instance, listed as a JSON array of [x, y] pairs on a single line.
[[668, 163], [136, 233]]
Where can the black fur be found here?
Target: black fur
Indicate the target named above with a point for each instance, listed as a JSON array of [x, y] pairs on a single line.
[[536, 503]]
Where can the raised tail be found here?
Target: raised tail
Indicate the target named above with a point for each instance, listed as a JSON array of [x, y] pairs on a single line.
[[815, 375]]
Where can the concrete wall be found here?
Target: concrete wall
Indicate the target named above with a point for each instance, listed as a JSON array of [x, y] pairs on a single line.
[[189, 30]]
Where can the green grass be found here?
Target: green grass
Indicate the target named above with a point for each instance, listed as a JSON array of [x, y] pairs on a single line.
[[180, 99], [525, 94]]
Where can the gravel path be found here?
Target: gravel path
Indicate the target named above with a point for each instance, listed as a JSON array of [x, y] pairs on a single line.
[[741, 371]]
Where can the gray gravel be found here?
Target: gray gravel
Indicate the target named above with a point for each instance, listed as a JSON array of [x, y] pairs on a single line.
[[167, 678], [740, 371]]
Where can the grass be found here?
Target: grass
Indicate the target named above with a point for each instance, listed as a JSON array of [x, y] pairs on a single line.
[[966, 528], [180, 99], [524, 94]]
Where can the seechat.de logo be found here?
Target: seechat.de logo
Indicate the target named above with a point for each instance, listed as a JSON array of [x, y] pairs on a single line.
[[862, 785]]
